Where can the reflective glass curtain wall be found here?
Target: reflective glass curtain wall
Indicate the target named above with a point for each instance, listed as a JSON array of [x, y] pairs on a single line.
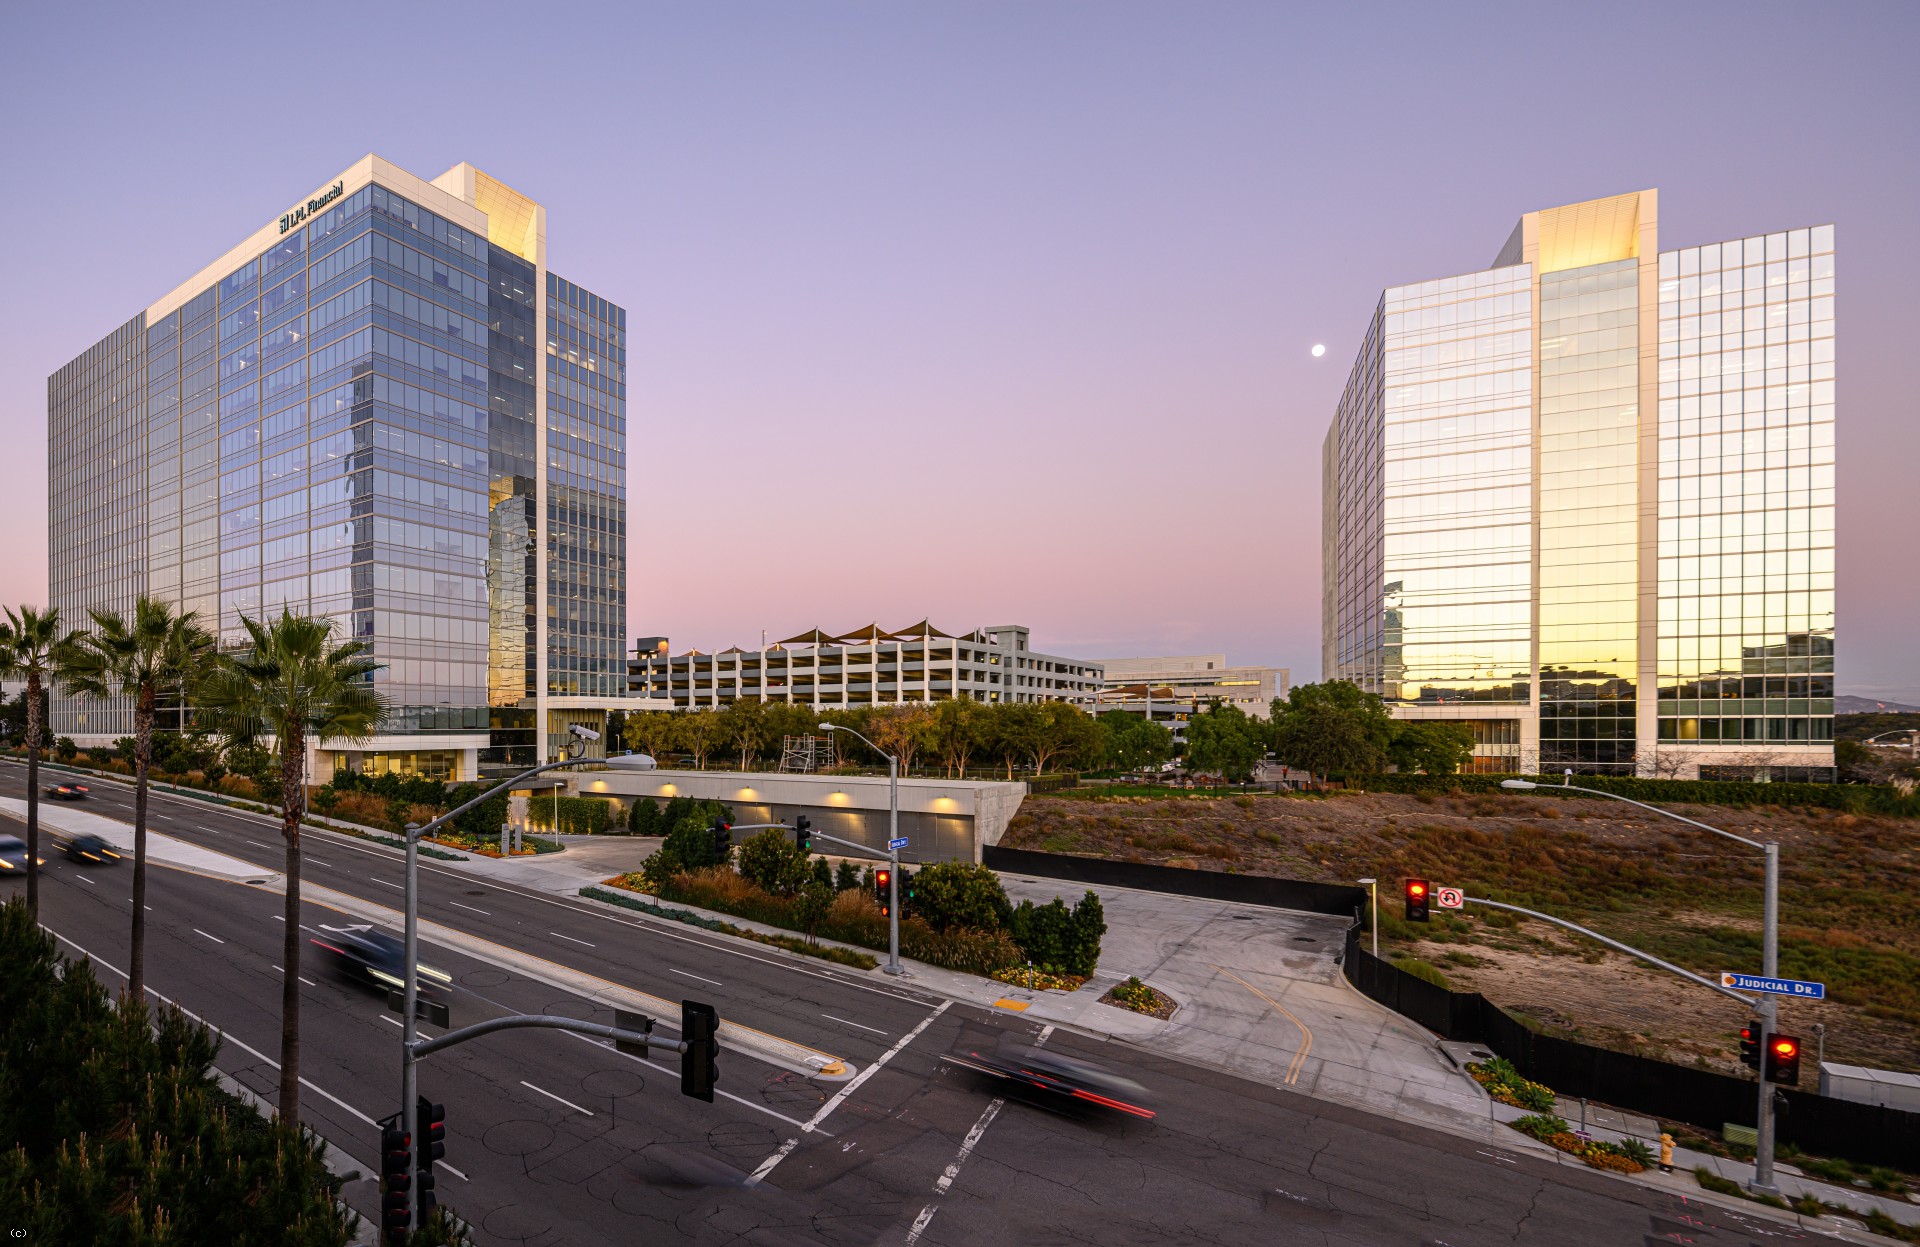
[[1746, 543], [1589, 499], [586, 493], [1456, 578], [96, 465], [1350, 534], [512, 508]]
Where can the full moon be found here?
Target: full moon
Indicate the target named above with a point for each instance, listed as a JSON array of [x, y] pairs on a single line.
[[1319, 349]]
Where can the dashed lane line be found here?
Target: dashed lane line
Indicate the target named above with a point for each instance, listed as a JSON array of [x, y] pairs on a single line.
[[556, 1099]]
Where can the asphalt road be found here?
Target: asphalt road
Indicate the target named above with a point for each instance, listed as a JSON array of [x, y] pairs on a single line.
[[554, 1139]]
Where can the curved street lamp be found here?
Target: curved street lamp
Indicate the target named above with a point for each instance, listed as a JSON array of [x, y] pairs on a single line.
[[1770, 956], [893, 854]]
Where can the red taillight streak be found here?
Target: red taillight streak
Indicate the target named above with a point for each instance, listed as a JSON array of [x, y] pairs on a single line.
[[1123, 1107], [330, 948]]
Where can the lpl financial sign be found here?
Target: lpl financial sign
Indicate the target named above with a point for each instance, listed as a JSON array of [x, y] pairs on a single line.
[[312, 206]]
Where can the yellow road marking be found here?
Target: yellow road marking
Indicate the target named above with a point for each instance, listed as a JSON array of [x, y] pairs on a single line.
[[1019, 1006], [1299, 1057]]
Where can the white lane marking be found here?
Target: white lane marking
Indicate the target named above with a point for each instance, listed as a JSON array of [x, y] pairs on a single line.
[[813, 1123], [303, 978], [766, 1166], [450, 1169], [844, 1022], [395, 1021], [225, 1036], [216, 939], [257, 844], [324, 862], [279, 917], [556, 1099], [920, 1223], [689, 974], [727, 1095], [481, 912], [400, 886], [979, 1128], [558, 936], [966, 1146], [87, 881]]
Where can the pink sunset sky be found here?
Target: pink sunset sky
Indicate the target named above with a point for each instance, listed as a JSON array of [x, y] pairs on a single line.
[[987, 312]]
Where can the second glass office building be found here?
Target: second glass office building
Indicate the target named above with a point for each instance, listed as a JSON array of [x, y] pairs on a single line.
[[1583, 501]]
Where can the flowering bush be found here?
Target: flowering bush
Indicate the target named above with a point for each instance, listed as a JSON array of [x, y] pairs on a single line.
[[1027, 976], [1504, 1083]]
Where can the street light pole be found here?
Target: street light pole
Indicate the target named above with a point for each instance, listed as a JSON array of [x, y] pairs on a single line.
[[893, 855], [1769, 957], [410, 972]]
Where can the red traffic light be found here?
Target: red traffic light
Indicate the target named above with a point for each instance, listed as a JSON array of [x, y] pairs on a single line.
[[881, 878], [1416, 888], [1782, 1046]]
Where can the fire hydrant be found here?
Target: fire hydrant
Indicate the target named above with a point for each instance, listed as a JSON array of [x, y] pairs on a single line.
[[1666, 1153]]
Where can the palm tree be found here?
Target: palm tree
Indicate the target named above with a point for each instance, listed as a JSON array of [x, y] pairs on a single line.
[[30, 643], [153, 654], [294, 684]]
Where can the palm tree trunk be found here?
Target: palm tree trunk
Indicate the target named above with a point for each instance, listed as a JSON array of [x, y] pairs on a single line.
[[292, 799], [142, 751], [35, 719]]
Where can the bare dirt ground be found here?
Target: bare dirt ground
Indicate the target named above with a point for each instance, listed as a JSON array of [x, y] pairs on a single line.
[[1850, 902]]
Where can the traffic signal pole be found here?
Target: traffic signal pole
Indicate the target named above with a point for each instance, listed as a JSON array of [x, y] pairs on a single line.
[[893, 965]]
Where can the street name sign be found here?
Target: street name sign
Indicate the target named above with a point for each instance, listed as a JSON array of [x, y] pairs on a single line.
[[897, 843], [1776, 987]]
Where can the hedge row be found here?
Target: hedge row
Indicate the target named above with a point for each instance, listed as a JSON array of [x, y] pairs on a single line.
[[1853, 798]]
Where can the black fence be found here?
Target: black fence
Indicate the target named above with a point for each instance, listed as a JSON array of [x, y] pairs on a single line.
[[1863, 1133], [1315, 898]]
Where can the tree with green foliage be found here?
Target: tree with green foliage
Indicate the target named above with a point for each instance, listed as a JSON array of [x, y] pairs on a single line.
[[30, 648], [689, 843], [153, 653], [959, 731], [701, 733], [1435, 746], [774, 862], [960, 894], [653, 732], [1057, 939], [1332, 728], [294, 684], [846, 878], [1223, 739], [117, 1131], [811, 905], [644, 819], [1133, 742], [744, 725]]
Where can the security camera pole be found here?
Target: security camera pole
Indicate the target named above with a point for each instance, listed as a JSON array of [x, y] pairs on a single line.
[[893, 847], [1769, 957], [410, 972]]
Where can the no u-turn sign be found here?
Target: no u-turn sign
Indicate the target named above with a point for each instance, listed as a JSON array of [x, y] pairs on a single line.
[[1448, 898]]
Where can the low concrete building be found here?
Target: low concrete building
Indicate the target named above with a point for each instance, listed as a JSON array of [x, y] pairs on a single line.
[[865, 667], [944, 820], [1170, 690]]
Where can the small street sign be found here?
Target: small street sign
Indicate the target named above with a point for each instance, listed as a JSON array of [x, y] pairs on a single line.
[[1448, 898], [1777, 987], [897, 843]]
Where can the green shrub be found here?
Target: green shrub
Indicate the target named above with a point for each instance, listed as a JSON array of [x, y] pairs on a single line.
[[645, 819], [1540, 1125], [1853, 798], [846, 878], [774, 863], [116, 1131], [960, 894], [579, 816], [689, 844], [483, 820], [1425, 971]]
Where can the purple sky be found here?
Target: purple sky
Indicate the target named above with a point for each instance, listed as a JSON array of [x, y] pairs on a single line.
[[994, 313]]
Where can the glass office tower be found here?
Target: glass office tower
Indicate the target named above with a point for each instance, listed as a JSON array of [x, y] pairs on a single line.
[[1582, 501], [343, 416]]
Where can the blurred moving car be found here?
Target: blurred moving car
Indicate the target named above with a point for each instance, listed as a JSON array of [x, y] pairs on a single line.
[[67, 791], [13, 856], [362, 954], [1056, 1074], [89, 849]]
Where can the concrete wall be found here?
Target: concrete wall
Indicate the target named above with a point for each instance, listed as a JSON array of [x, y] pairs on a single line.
[[943, 820]]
